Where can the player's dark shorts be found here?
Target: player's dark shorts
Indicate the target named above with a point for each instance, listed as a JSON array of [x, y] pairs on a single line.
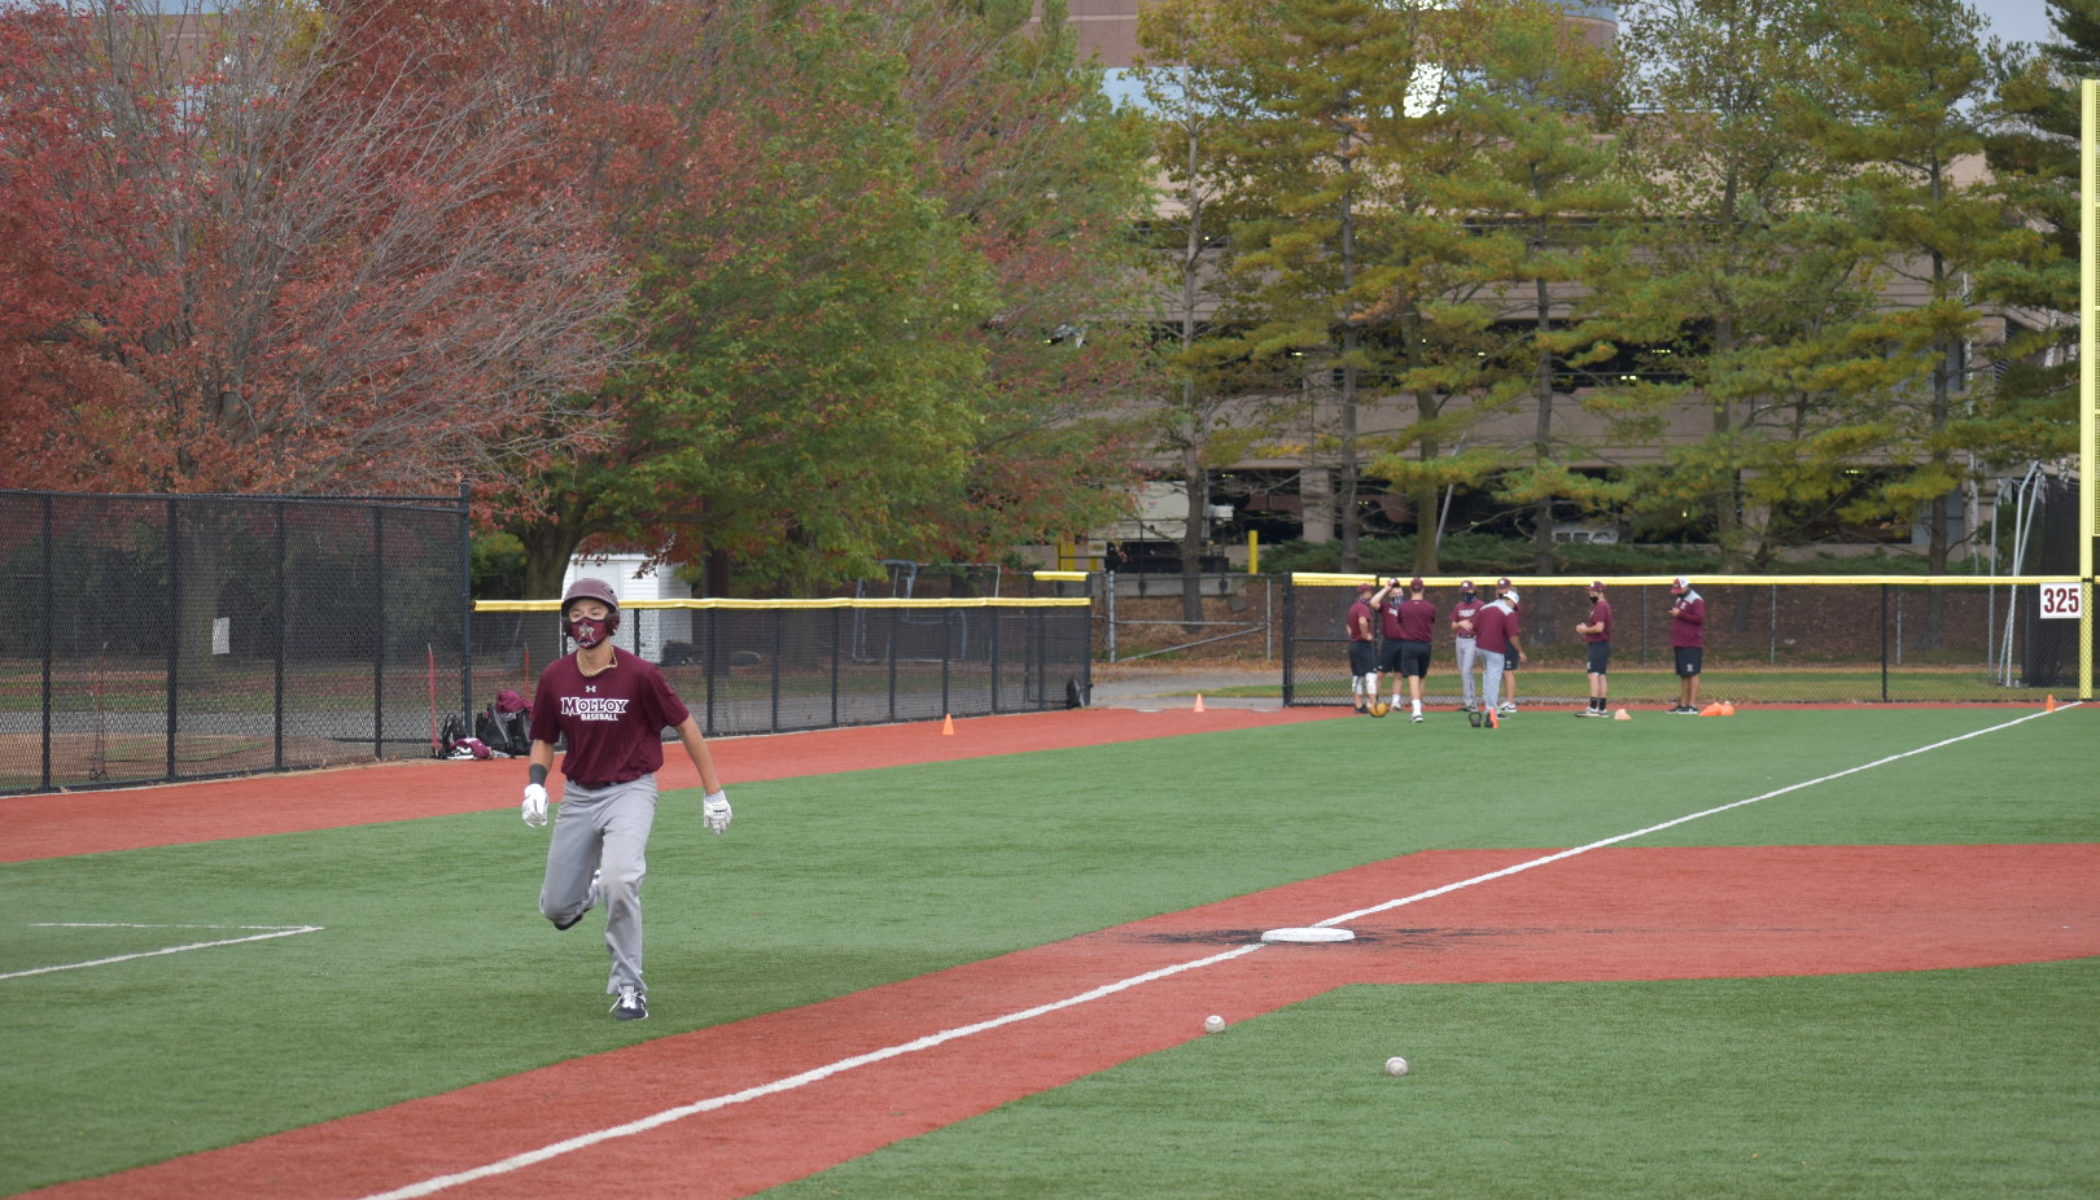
[[1389, 658], [1600, 658], [1688, 659], [1414, 659], [1363, 657], [1509, 659]]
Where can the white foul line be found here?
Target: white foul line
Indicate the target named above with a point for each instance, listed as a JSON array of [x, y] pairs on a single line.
[[137, 925], [582, 1141], [278, 931], [667, 1116]]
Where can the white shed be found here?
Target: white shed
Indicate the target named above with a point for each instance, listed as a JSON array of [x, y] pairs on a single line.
[[632, 579]]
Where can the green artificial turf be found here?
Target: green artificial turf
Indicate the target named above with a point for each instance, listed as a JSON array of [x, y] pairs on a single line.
[[1974, 1083], [435, 970]]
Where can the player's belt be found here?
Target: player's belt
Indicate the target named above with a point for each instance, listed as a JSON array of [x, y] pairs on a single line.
[[597, 785]]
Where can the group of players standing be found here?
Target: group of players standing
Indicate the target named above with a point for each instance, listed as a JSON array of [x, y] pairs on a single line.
[[1489, 634]]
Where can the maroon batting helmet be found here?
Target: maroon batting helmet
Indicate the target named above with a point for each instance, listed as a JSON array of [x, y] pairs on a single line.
[[591, 589]]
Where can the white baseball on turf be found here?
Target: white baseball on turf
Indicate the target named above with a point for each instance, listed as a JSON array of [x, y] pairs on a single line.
[[1214, 1024], [1396, 1065]]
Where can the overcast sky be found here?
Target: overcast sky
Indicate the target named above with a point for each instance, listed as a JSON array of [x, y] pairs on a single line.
[[2017, 20]]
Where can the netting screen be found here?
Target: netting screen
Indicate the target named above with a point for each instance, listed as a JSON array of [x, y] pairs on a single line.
[[159, 638], [1788, 640], [766, 667]]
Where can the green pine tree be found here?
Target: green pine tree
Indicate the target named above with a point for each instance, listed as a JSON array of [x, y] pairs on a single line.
[[1740, 279], [1310, 90], [2034, 155], [1550, 187], [1911, 117]]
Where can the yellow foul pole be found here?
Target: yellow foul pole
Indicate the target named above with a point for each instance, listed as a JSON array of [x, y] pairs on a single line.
[[2088, 372]]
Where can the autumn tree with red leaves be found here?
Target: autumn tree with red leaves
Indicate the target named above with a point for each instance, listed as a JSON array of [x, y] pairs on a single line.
[[862, 307], [225, 270], [808, 376], [650, 129], [811, 284]]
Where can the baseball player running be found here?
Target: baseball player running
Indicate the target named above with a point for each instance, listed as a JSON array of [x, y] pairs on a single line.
[[612, 707]]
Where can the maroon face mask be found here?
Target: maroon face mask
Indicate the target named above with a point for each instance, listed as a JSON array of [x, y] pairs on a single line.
[[587, 632]]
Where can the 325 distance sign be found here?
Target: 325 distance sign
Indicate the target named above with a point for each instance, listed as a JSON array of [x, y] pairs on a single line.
[[2062, 600]]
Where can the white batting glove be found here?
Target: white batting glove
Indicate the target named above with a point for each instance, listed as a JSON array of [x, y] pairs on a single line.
[[535, 807], [715, 811]]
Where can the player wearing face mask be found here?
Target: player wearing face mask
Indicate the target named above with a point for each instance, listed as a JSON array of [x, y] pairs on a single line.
[[1462, 640], [612, 708]]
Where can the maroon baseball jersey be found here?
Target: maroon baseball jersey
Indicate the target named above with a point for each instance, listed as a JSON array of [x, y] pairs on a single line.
[[1688, 622], [1417, 621], [614, 720], [1600, 615], [1464, 610], [1360, 628], [1389, 612], [1491, 627]]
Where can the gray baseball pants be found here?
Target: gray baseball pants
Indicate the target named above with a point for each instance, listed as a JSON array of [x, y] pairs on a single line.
[[1492, 663], [1468, 651], [607, 830]]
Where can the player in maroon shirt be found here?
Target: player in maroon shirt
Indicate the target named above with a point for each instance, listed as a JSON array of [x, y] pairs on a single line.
[[1596, 630], [1514, 659], [1363, 651], [1491, 629], [1688, 643], [1386, 602], [612, 707], [1414, 621]]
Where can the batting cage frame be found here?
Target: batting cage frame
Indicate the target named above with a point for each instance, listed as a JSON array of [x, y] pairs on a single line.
[[1799, 639]]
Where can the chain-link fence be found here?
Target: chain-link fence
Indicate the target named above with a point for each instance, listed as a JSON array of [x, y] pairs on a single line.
[[1785, 640], [155, 638], [1148, 616], [770, 666]]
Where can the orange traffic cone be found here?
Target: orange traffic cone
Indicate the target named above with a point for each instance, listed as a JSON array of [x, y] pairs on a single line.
[[1199, 701], [1711, 710], [1622, 715], [2049, 705], [948, 725], [1727, 708], [1494, 721]]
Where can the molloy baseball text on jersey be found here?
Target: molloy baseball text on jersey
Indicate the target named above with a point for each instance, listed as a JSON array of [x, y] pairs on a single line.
[[593, 708]]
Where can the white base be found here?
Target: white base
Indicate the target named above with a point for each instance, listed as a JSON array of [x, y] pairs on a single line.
[[1310, 934]]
